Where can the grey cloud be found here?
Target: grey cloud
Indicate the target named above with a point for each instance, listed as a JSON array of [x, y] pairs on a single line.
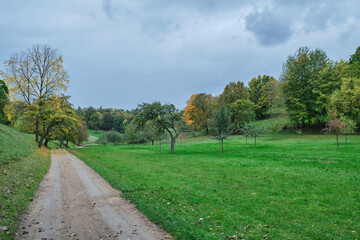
[[114, 9], [108, 9], [318, 17], [197, 52], [200, 5], [156, 27], [268, 28]]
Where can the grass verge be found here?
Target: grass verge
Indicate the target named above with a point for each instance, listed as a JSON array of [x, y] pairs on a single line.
[[20, 175]]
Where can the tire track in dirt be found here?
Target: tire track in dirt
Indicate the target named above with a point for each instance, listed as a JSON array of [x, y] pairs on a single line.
[[74, 202]]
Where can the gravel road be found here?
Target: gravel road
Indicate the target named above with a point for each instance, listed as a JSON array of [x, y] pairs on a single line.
[[74, 202]]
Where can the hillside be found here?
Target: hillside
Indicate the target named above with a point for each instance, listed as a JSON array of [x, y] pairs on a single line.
[[22, 167]]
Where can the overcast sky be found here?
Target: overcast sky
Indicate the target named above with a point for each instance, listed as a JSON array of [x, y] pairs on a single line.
[[119, 53]]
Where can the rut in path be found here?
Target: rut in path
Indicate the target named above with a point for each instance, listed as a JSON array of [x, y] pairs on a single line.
[[74, 202]]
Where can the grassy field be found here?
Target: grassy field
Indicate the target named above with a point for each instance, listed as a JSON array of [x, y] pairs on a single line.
[[289, 187], [95, 133], [22, 167]]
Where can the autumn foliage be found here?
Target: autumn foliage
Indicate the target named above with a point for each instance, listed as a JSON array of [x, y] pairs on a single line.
[[199, 110]]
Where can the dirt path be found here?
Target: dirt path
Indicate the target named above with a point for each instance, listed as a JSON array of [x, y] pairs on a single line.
[[74, 202]]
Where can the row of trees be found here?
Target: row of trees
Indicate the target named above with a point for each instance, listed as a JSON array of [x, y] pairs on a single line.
[[106, 119], [311, 87], [36, 83], [258, 101]]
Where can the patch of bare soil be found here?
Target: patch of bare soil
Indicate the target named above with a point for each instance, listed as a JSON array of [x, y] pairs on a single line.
[[74, 202]]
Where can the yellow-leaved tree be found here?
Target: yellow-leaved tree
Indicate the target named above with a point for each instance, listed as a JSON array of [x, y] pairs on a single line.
[[34, 76], [199, 111]]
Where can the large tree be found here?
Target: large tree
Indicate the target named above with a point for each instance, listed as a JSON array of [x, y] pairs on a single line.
[[233, 92], [261, 94], [199, 111], [307, 85], [57, 120], [242, 112], [165, 116], [346, 101], [34, 75]]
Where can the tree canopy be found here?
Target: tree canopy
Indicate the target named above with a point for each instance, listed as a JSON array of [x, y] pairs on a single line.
[[34, 75], [233, 92], [199, 110], [165, 116], [307, 85]]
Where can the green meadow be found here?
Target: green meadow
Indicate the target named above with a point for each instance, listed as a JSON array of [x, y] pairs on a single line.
[[288, 187]]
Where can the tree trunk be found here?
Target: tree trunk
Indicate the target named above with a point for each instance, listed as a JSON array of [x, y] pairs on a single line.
[[255, 141], [40, 142], [67, 144], [152, 142], [222, 145], [37, 130], [173, 140], [46, 142]]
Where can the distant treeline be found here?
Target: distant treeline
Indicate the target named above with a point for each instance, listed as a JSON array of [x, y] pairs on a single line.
[[106, 118], [309, 90]]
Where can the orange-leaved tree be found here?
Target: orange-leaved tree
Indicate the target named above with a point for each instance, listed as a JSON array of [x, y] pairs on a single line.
[[199, 111]]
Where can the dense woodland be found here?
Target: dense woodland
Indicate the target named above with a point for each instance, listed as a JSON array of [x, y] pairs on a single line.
[[312, 93]]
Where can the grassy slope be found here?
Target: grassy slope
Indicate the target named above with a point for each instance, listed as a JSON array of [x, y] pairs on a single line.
[[282, 189], [94, 133], [22, 167]]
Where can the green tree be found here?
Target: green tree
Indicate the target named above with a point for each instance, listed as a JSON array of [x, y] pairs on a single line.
[[354, 63], [165, 116], [118, 119], [87, 115], [276, 126], [233, 92], [152, 131], [102, 140], [254, 131], [114, 137], [242, 111], [82, 133], [55, 117], [307, 85], [350, 127], [106, 121], [346, 101], [221, 124], [3, 87], [261, 94], [94, 121], [3, 102], [132, 134]]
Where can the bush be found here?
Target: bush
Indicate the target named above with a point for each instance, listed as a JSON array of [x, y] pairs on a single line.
[[113, 137]]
